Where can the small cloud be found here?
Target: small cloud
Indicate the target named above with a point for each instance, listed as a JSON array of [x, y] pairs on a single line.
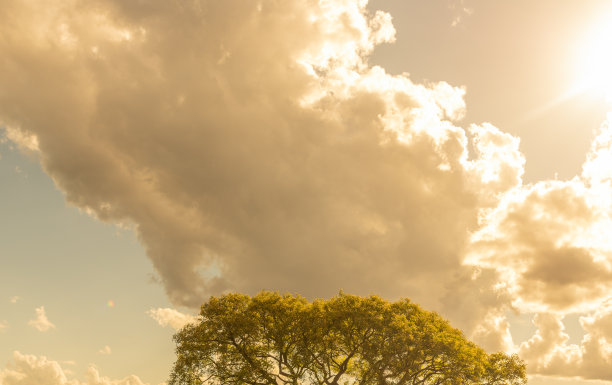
[[25, 140], [3, 326], [106, 350], [14, 299], [171, 317], [41, 323], [461, 12], [29, 369]]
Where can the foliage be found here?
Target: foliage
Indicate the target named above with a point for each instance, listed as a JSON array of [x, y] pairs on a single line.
[[271, 339]]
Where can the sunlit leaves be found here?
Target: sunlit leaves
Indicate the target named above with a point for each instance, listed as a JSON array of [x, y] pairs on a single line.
[[271, 339]]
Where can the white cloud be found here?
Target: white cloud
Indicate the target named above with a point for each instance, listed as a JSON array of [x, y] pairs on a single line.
[[14, 299], [41, 322], [32, 370], [25, 141], [549, 240], [93, 377], [460, 10], [39, 370], [477, 304], [244, 155], [3, 326], [106, 350], [171, 317], [548, 351], [549, 243]]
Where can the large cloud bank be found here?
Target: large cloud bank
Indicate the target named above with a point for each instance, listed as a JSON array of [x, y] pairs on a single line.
[[249, 142], [252, 147]]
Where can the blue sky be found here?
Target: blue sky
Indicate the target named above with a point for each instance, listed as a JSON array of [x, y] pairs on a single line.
[[57, 256]]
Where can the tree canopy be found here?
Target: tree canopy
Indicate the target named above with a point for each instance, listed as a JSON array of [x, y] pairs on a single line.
[[273, 339]]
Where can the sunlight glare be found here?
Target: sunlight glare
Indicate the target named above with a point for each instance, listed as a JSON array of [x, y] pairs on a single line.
[[595, 61]]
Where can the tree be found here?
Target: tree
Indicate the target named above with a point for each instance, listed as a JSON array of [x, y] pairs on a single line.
[[271, 339]]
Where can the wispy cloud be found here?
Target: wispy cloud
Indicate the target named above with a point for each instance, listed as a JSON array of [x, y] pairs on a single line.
[[41, 322], [14, 299], [171, 317], [106, 350], [460, 11], [3, 326]]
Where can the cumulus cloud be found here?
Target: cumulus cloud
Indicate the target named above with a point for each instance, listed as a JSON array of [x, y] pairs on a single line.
[[545, 240], [597, 343], [171, 317], [478, 304], [3, 326], [14, 299], [24, 140], [548, 240], [246, 156], [548, 351], [39, 370], [549, 243], [93, 377], [41, 322]]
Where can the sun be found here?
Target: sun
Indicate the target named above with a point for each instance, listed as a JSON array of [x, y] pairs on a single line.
[[594, 61]]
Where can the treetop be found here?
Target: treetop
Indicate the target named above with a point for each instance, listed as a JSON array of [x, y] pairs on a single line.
[[273, 339]]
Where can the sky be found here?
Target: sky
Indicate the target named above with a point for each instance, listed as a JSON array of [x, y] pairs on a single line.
[[152, 154]]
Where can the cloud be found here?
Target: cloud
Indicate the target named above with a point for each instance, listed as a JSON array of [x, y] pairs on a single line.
[[548, 347], [25, 141], [460, 11], [41, 323], [106, 350], [548, 242], [32, 370], [249, 157], [14, 299], [548, 351], [171, 317], [39, 370], [597, 343], [3, 326], [477, 304]]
